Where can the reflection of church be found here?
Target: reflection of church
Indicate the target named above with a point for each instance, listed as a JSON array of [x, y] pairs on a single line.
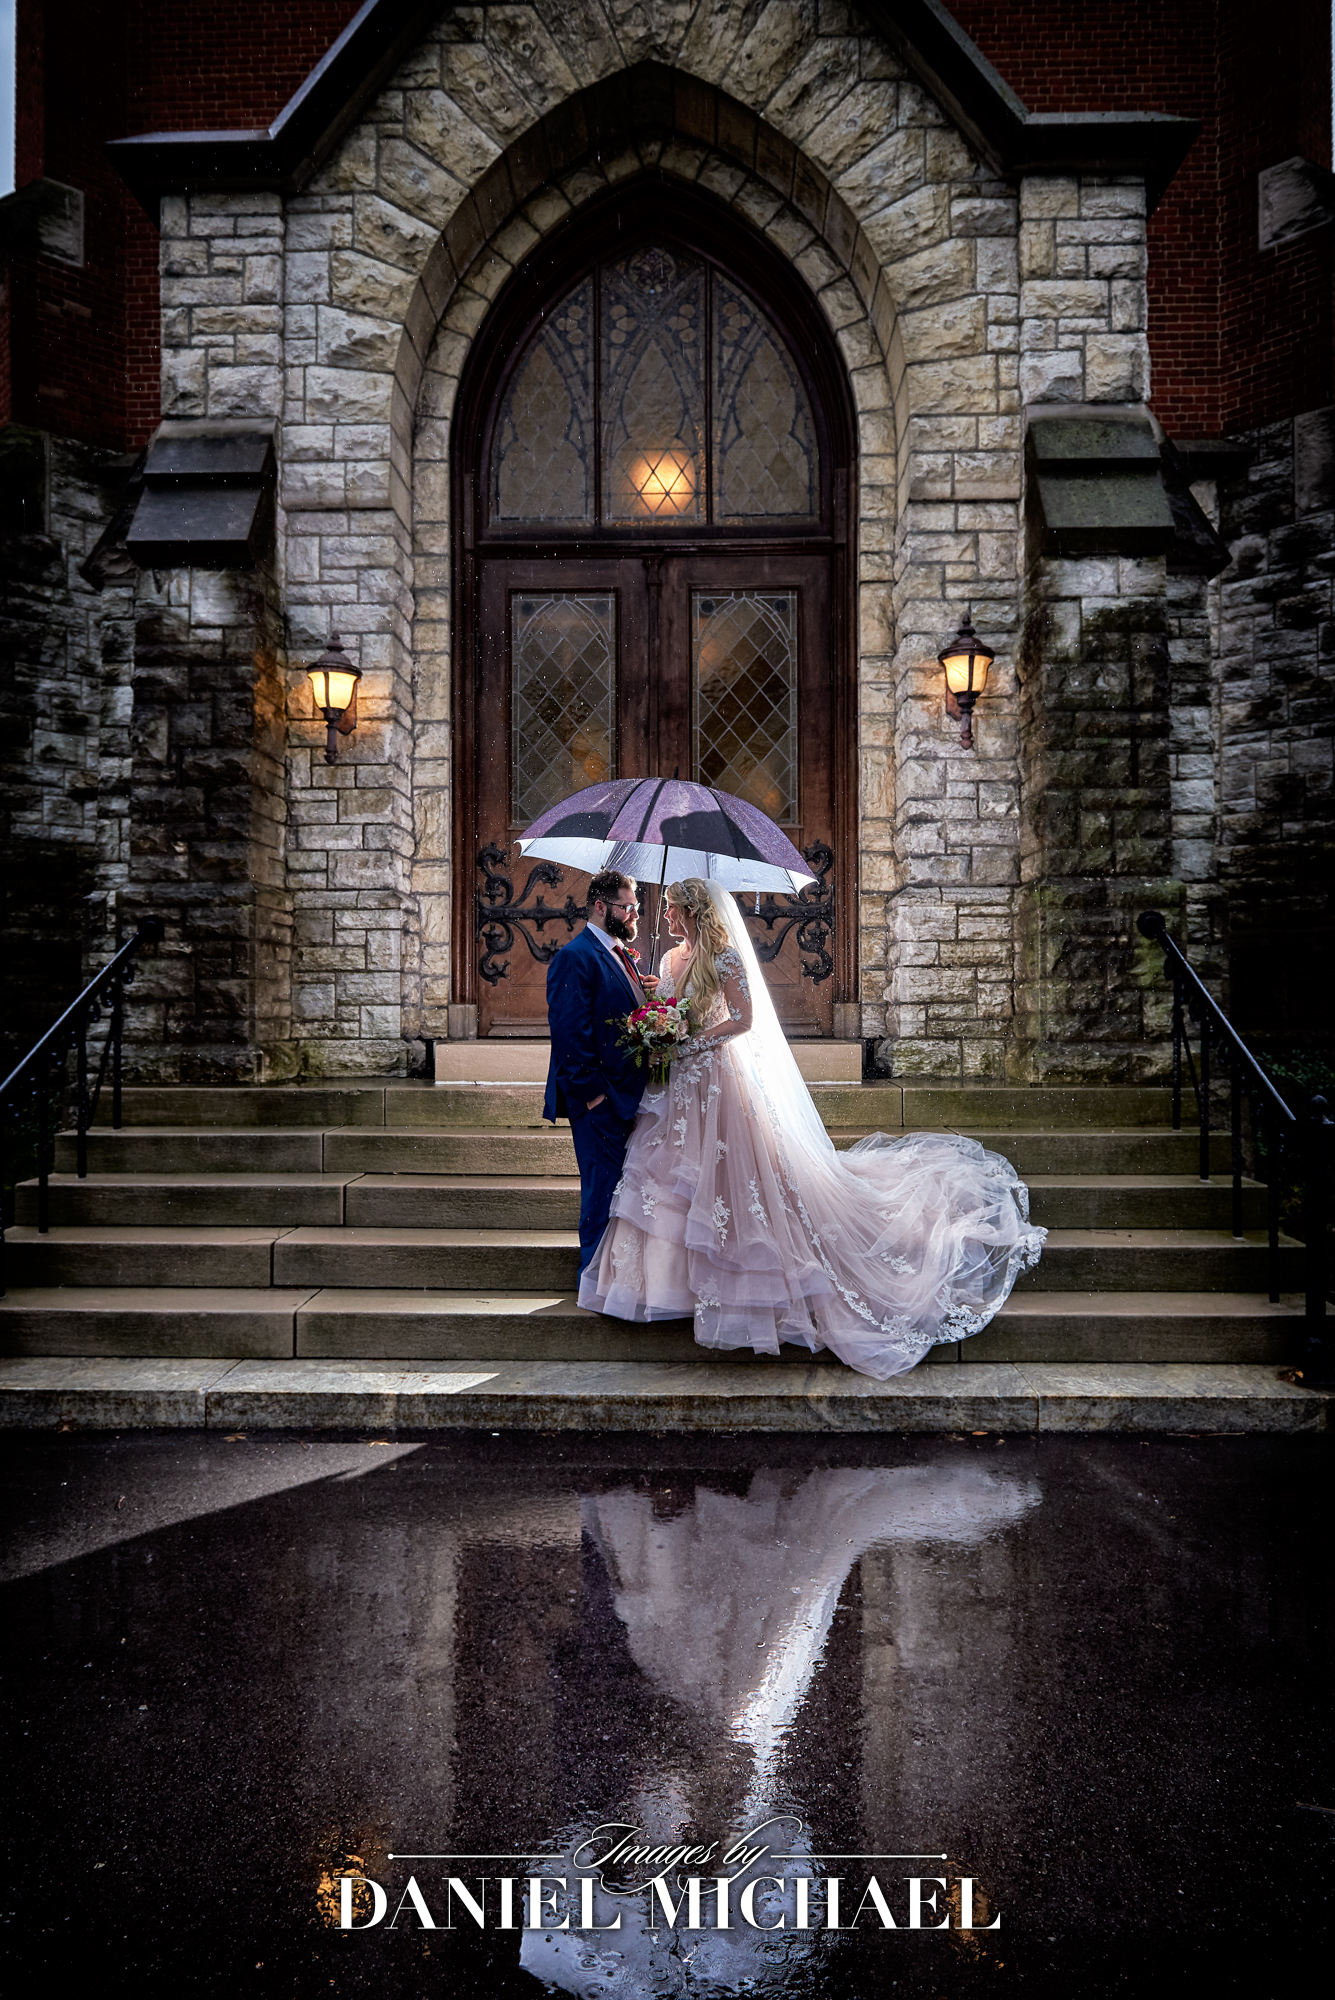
[[653, 388]]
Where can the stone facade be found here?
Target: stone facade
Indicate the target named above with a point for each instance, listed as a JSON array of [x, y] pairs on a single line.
[[997, 887]]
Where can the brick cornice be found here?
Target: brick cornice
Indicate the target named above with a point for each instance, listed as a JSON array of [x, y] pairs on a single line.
[[1150, 145]]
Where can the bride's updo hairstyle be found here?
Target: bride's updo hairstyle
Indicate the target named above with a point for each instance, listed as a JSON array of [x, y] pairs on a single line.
[[703, 983]]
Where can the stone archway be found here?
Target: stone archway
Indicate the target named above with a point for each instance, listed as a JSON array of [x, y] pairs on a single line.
[[911, 253], [835, 260]]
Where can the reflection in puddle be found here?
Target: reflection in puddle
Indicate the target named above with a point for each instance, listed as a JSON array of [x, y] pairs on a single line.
[[727, 1604]]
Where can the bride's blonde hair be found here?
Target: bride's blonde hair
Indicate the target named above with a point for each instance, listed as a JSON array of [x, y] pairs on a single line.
[[704, 982]]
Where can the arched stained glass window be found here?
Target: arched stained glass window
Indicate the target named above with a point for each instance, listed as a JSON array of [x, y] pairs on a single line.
[[695, 412], [544, 457], [764, 444]]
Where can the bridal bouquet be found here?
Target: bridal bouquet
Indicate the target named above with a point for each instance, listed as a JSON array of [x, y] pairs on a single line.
[[654, 1034]]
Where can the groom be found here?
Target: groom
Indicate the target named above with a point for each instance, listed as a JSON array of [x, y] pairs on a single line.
[[592, 984]]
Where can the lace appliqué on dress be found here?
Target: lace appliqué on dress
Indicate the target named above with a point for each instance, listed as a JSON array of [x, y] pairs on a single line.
[[729, 966], [722, 1217]]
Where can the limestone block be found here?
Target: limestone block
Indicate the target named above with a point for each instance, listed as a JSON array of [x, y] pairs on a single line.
[[1112, 198], [1053, 378], [849, 132], [487, 93], [244, 392], [961, 384], [1038, 250], [438, 126], [1129, 308], [1048, 195], [905, 227], [318, 229], [258, 350], [313, 483], [414, 182], [876, 431], [1064, 298], [369, 483], [886, 174], [263, 280], [982, 215], [998, 268], [943, 271], [355, 340], [350, 166], [181, 257], [347, 395], [959, 326], [380, 1024], [799, 85], [1116, 368], [184, 383], [195, 291], [312, 1001]]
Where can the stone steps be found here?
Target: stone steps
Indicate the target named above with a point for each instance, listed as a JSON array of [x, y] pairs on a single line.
[[998, 1397], [462, 1201], [409, 1102], [374, 1223], [546, 1151], [466, 1259], [397, 1324]]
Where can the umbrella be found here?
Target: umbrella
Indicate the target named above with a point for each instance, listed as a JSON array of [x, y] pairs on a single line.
[[664, 829]]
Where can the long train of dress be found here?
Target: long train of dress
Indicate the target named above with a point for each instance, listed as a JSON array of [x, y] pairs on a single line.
[[765, 1234]]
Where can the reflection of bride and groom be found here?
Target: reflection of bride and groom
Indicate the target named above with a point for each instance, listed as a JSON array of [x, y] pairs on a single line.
[[718, 1194], [725, 1601]]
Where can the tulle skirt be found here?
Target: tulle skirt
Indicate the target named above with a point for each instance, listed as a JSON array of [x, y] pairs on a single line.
[[876, 1253]]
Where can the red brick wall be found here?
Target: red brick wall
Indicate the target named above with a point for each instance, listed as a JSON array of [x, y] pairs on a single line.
[[212, 68], [1238, 336], [84, 347]]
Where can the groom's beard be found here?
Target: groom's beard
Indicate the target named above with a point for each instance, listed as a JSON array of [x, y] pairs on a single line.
[[617, 927]]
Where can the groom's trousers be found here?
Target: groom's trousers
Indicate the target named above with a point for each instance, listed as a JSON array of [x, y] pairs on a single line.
[[601, 1138]]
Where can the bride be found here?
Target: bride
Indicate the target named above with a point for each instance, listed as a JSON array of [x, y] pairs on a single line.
[[735, 1207]]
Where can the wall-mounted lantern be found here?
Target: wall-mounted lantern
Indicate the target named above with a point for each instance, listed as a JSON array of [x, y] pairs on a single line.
[[334, 681], [965, 662]]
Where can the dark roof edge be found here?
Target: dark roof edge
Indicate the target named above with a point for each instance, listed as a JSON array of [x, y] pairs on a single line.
[[305, 132], [1149, 145]]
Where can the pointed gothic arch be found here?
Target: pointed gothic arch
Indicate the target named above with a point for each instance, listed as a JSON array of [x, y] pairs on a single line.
[[726, 643]]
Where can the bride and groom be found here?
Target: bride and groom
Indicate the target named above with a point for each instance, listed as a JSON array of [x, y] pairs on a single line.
[[718, 1194]]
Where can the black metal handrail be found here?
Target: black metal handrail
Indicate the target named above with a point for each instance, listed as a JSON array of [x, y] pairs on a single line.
[[39, 1080], [1302, 1137]]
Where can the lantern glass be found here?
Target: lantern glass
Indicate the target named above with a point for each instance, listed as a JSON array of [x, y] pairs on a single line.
[[332, 686], [966, 672], [966, 660]]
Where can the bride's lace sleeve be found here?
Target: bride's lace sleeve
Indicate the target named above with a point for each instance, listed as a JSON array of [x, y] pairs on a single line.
[[736, 989]]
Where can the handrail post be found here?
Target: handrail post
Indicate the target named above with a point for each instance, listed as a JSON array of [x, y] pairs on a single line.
[[1177, 1053], [1205, 1095], [1275, 1156], [81, 1101], [1314, 1226], [114, 1030], [43, 1166], [1235, 1138]]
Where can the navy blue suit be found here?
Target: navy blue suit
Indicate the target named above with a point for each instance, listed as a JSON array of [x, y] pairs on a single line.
[[587, 1000]]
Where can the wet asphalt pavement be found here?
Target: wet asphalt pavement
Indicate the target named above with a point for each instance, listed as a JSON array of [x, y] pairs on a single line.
[[1092, 1673]]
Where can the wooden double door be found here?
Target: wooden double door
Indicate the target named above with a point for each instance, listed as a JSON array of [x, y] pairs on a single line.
[[628, 665]]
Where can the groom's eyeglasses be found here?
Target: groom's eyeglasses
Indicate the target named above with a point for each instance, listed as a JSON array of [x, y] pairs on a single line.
[[623, 906]]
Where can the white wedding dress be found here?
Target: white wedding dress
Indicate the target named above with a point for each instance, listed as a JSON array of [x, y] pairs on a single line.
[[735, 1208]]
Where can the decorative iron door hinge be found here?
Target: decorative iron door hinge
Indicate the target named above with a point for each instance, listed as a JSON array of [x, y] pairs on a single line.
[[811, 911], [502, 919]]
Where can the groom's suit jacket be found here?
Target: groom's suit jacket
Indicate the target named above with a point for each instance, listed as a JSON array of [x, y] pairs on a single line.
[[588, 997]]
